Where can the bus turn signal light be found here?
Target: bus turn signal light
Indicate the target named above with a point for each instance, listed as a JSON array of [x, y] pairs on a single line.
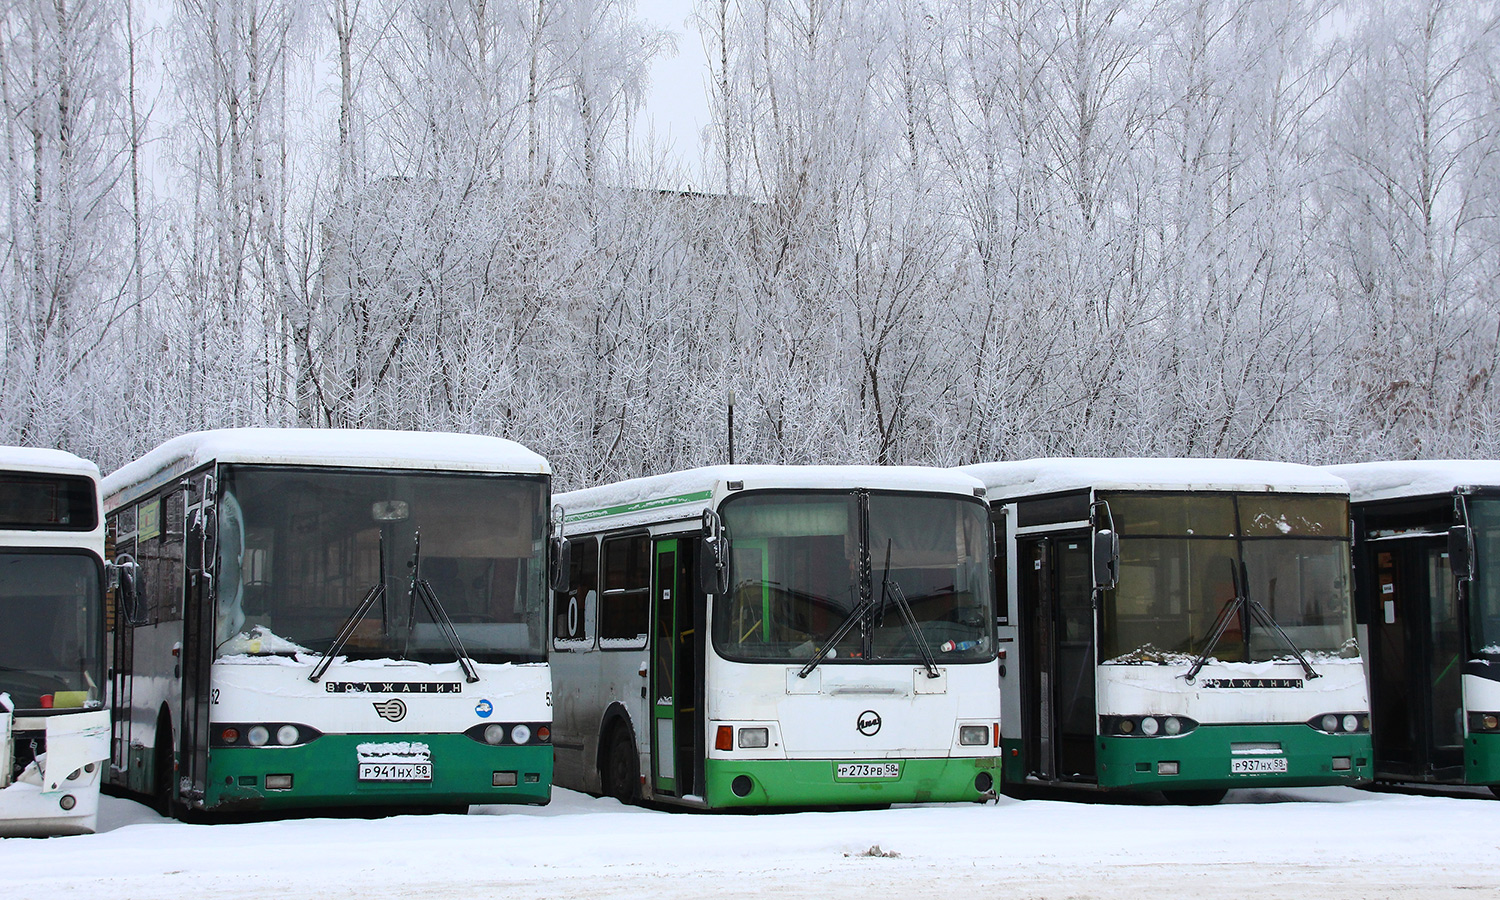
[[724, 739]]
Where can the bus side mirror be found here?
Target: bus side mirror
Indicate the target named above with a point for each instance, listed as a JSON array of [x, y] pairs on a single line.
[[192, 550], [713, 556], [1106, 560], [124, 577], [1461, 552], [561, 565]]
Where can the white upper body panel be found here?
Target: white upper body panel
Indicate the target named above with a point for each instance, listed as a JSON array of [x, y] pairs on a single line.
[[1415, 478], [1032, 477], [359, 448], [684, 495]]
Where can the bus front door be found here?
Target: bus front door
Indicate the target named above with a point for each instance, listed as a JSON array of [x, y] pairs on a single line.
[[677, 736], [1416, 657], [197, 646], [1059, 723]]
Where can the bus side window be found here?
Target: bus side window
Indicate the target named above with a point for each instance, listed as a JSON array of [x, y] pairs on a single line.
[[624, 614], [574, 612], [161, 560]]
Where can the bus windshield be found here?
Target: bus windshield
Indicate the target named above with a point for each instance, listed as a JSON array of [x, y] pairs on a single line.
[[803, 564], [300, 549], [51, 647], [1183, 556], [1484, 615]]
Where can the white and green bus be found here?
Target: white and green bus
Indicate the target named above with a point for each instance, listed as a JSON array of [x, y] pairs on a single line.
[[1427, 593], [1176, 625], [778, 636], [322, 618], [54, 729]]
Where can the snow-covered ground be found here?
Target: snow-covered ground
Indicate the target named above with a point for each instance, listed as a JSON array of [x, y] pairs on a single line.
[[1312, 844]]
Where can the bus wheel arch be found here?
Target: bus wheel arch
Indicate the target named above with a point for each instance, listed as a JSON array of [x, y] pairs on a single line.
[[618, 760]]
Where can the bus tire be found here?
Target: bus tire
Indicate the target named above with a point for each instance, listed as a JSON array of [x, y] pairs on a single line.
[[161, 774], [1207, 797], [621, 776]]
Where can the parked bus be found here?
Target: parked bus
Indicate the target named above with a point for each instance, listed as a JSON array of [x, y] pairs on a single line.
[[331, 618], [778, 636], [1176, 625], [1427, 593], [54, 729]]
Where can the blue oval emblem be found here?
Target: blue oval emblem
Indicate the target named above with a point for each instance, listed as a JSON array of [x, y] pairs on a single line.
[[483, 709]]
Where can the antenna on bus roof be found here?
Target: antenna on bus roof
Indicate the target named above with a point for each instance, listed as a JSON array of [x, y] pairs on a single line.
[[731, 426]]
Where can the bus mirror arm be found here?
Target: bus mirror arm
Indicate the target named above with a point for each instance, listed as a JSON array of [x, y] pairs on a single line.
[[1106, 547], [561, 564], [713, 555], [1461, 552]]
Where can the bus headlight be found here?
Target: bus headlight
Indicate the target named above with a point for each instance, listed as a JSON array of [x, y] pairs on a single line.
[[494, 734], [1173, 725], [1341, 723], [973, 735], [1484, 722], [520, 734], [754, 738], [258, 736], [286, 735], [1149, 725]]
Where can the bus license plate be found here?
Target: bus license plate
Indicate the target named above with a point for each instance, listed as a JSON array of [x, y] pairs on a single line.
[[395, 771], [868, 770], [1253, 766]]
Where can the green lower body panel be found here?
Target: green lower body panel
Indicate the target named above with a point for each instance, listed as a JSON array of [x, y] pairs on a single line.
[[1206, 758], [814, 782], [325, 773], [1482, 759]]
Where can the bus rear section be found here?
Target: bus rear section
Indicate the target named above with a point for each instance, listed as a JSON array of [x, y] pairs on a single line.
[[333, 619], [54, 730], [778, 637]]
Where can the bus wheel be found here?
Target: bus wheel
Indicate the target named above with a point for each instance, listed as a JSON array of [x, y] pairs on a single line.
[[621, 775], [161, 776], [1194, 798]]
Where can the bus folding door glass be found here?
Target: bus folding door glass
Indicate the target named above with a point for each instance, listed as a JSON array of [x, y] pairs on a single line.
[[575, 611], [301, 549], [1001, 575], [1169, 594], [793, 577], [1484, 608], [1304, 585], [624, 614], [934, 553], [1446, 713], [50, 644]]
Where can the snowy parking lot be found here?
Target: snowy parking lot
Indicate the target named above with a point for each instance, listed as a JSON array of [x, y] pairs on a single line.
[[1312, 843]]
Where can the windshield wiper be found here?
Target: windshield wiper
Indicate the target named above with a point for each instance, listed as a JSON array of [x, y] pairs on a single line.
[[376, 593], [421, 590], [887, 586], [1242, 597], [1266, 619], [860, 610]]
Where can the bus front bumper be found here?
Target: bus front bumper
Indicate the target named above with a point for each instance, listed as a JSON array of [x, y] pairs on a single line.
[[816, 782], [326, 773]]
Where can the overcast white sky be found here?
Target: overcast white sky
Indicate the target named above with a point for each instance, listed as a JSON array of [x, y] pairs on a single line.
[[677, 108]]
